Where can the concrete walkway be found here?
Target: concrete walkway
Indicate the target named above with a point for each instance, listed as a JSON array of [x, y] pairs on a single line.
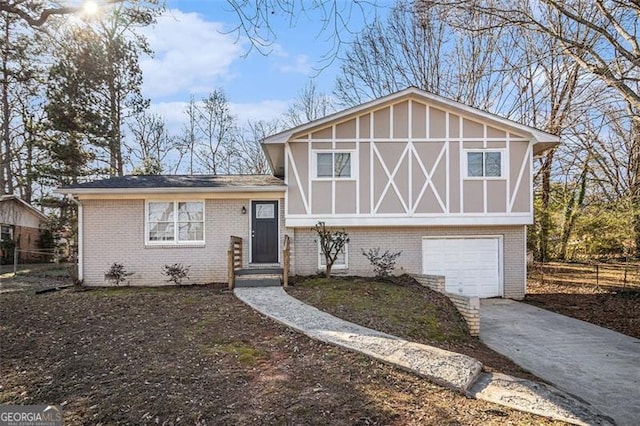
[[596, 364], [453, 370]]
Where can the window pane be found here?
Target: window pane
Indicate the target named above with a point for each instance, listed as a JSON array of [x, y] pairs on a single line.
[[474, 164], [191, 231], [190, 211], [492, 164], [5, 233], [161, 231], [160, 212], [265, 211], [325, 165], [343, 164], [340, 260]]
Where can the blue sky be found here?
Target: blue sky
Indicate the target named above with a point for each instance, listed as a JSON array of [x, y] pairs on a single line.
[[195, 54]]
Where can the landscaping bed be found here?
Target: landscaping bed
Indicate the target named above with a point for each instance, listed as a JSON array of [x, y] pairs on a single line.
[[401, 307], [197, 355], [614, 308]]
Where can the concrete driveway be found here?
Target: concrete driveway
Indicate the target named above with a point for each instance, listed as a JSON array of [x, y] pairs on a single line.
[[593, 363]]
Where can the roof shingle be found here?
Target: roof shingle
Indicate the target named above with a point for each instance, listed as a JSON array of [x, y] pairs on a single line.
[[179, 181]]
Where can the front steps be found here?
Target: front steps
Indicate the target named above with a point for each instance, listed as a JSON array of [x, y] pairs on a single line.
[[265, 277]]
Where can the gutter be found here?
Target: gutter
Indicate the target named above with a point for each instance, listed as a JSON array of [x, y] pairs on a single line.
[[170, 190]]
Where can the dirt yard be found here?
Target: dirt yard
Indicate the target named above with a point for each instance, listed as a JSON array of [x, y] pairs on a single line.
[[404, 308], [607, 306], [196, 355]]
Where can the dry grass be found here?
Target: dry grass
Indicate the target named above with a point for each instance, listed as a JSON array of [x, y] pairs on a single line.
[[404, 308], [199, 356]]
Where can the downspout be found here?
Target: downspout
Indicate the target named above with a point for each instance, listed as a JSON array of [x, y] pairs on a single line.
[[80, 239]]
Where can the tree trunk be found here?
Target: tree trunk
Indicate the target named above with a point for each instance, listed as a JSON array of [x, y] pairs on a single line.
[[634, 180], [573, 210], [545, 214], [6, 184], [327, 271]]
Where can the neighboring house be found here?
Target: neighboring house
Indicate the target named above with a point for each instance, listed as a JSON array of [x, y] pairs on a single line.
[[449, 185], [20, 223]]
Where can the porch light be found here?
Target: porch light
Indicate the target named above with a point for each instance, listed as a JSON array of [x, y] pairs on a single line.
[[243, 210]]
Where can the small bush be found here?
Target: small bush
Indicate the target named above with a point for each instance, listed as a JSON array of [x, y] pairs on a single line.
[[383, 264], [116, 273], [176, 273]]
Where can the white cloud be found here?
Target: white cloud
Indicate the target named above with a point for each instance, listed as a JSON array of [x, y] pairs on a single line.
[[300, 65], [191, 55], [263, 110]]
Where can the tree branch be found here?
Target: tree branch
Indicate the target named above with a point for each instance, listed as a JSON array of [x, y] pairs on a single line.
[[21, 9]]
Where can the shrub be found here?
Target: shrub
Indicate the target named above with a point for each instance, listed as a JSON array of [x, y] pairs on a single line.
[[383, 264], [176, 273], [116, 273]]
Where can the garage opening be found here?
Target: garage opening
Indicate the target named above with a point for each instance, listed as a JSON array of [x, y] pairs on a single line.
[[472, 266]]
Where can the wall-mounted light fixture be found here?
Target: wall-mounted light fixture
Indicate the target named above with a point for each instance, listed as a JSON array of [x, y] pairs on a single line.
[[243, 210]]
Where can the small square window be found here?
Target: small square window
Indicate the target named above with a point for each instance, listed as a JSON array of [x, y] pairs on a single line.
[[333, 165], [484, 164]]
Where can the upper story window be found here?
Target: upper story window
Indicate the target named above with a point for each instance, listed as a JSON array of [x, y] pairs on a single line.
[[484, 164], [175, 222], [333, 165], [6, 232]]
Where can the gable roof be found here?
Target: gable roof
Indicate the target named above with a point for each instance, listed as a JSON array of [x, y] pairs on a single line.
[[24, 204], [542, 140], [177, 183]]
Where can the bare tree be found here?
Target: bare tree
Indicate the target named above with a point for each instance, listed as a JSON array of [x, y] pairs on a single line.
[[250, 156], [417, 46], [310, 104], [332, 243], [601, 38], [152, 145], [216, 133], [187, 141]]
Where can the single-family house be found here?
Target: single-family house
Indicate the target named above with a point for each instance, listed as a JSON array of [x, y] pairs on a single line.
[[449, 185], [20, 226]]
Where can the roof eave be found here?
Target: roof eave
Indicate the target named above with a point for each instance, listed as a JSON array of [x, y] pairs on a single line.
[[170, 190], [541, 147], [539, 135], [28, 206]]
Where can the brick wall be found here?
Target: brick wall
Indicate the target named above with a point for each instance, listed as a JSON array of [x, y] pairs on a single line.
[[469, 307], [409, 240], [114, 232], [434, 282]]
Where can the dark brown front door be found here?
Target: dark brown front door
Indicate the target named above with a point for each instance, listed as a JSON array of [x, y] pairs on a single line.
[[264, 232]]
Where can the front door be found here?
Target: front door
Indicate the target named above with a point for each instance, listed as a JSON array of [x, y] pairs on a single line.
[[264, 232]]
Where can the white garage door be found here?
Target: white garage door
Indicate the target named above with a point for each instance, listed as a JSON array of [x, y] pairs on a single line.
[[471, 266]]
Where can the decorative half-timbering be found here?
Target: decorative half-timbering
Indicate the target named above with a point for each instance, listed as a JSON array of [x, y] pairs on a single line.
[[409, 159]]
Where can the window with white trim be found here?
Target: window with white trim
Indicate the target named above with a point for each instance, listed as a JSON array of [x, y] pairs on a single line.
[[484, 164], [342, 261], [333, 165], [174, 222]]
